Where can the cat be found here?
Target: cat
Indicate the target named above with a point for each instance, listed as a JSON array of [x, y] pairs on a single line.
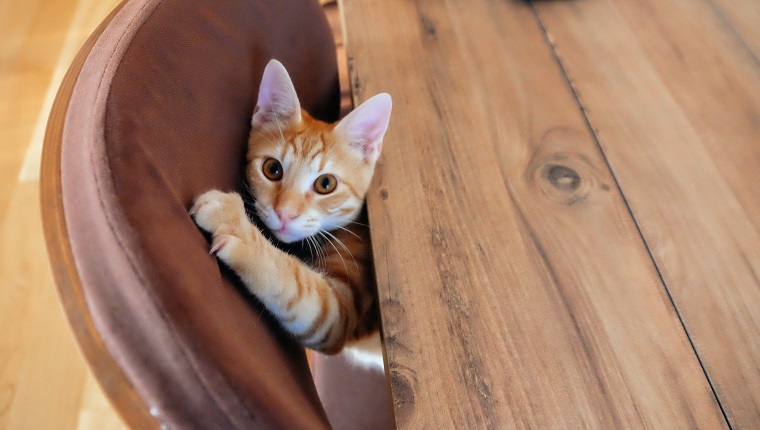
[[308, 180]]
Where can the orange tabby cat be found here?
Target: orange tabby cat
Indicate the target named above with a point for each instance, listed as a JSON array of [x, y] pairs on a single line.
[[308, 179]]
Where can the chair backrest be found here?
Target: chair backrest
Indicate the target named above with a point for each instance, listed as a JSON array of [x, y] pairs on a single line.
[[154, 111]]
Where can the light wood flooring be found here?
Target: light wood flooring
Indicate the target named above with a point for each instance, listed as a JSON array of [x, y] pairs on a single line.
[[44, 381]]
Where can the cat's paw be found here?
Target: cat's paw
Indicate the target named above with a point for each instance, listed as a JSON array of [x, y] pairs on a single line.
[[220, 213]]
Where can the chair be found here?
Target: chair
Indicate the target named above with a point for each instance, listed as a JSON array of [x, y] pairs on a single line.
[[153, 111]]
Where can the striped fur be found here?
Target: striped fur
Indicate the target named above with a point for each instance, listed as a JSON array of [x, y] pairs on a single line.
[[329, 300]]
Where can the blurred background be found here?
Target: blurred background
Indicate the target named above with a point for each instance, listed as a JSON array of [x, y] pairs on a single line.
[[44, 381]]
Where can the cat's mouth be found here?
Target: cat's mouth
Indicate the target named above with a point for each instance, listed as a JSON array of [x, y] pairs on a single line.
[[286, 234]]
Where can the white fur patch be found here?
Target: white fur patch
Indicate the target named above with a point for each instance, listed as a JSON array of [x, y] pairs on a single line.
[[367, 353]]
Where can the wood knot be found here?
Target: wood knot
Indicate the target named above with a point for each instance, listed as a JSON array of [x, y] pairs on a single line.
[[393, 312], [563, 177], [428, 26], [560, 171], [403, 396], [383, 194]]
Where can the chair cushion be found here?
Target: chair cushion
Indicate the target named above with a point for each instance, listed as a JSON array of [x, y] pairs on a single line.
[[355, 397], [160, 113]]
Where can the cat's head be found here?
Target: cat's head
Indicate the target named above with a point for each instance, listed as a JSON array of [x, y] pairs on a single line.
[[306, 175]]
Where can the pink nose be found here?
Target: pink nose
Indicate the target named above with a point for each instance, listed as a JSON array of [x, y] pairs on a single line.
[[286, 215]]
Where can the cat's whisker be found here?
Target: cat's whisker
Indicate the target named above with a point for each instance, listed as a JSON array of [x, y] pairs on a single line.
[[343, 245], [337, 240], [247, 187], [317, 261], [322, 233], [358, 223], [311, 252], [320, 253], [351, 232], [311, 249], [248, 199]]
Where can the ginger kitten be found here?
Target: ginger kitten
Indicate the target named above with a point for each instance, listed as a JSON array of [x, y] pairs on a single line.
[[308, 179]]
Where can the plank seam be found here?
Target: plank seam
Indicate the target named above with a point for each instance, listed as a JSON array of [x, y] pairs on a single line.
[[727, 22], [593, 132]]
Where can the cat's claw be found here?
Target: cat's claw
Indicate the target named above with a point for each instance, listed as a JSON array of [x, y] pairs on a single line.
[[226, 249], [219, 243], [194, 210]]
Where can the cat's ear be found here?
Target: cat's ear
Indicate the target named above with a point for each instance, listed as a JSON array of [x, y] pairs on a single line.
[[278, 103], [366, 125]]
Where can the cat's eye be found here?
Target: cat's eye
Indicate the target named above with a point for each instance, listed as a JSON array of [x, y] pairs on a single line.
[[325, 184], [272, 169]]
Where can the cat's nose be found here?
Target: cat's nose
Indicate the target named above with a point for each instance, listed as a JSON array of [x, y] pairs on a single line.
[[286, 214]]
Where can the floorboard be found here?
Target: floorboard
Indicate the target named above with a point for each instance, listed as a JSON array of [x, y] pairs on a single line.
[[744, 17], [44, 382], [676, 108], [32, 34], [40, 364]]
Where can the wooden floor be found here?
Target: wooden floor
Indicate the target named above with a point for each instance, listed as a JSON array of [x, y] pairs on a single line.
[[44, 382]]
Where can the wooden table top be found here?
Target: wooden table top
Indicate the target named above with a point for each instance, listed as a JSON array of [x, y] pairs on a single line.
[[566, 215]]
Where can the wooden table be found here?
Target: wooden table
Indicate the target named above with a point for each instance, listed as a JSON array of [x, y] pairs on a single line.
[[566, 216]]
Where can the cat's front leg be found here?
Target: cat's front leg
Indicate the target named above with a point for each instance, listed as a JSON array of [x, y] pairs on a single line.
[[318, 310], [236, 242]]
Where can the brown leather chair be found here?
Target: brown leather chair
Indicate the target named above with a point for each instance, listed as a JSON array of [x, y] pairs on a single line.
[[154, 111]]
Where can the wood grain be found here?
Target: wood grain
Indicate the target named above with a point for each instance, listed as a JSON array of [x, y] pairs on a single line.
[[31, 37], [32, 334], [95, 411], [678, 117], [88, 14], [516, 291], [44, 382], [744, 17]]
